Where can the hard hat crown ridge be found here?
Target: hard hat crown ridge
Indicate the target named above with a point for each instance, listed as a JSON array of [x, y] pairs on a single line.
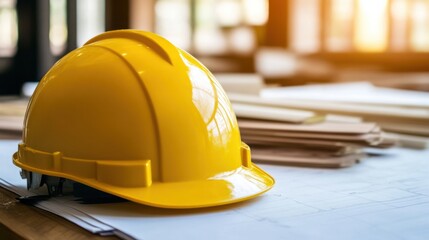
[[130, 114]]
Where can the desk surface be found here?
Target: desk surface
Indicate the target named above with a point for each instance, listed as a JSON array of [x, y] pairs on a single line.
[[384, 197], [19, 221]]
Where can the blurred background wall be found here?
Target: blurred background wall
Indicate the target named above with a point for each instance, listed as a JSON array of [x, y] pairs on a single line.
[[288, 42]]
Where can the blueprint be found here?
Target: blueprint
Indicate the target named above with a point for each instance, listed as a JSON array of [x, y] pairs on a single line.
[[384, 197]]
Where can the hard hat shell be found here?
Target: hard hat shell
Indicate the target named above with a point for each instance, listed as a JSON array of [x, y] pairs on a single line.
[[130, 114]]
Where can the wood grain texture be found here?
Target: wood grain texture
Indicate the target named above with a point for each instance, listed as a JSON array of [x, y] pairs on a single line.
[[19, 221]]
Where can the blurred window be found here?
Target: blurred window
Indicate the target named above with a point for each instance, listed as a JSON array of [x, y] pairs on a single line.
[[359, 25], [211, 27], [8, 28], [305, 27], [90, 19], [173, 21], [339, 19], [419, 25], [371, 26], [58, 26]]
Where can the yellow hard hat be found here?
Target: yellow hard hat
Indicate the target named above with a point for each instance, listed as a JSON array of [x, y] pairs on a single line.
[[134, 116]]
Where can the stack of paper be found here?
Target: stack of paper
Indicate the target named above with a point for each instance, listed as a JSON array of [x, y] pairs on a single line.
[[404, 114], [401, 111], [318, 144], [300, 134], [359, 133]]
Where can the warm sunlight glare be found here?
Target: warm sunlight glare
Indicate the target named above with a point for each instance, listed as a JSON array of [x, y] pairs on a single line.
[[420, 25], [8, 28], [57, 26], [399, 15], [255, 11], [371, 26], [305, 16], [339, 20]]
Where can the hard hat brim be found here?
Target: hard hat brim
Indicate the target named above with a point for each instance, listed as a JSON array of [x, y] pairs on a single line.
[[241, 184]]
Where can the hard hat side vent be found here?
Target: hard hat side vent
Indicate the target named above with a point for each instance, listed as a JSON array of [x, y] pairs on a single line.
[[139, 36]]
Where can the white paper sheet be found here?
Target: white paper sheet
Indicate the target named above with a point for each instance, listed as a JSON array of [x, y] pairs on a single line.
[[359, 92], [384, 197]]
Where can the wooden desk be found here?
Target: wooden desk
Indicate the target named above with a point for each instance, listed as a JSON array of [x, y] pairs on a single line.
[[19, 221]]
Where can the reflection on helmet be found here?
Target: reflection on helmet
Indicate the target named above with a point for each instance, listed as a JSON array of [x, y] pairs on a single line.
[[133, 116]]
